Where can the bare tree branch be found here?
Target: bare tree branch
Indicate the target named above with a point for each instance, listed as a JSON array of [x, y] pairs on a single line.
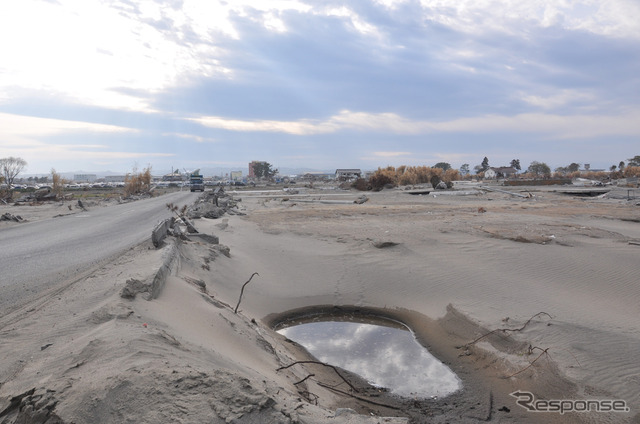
[[235, 311], [342, 392], [304, 379], [324, 364], [544, 351], [504, 330]]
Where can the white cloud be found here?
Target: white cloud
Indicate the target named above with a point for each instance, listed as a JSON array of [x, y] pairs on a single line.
[[193, 137], [357, 22], [558, 99], [391, 4], [571, 126], [390, 154], [86, 50], [615, 18], [17, 126], [23, 136]]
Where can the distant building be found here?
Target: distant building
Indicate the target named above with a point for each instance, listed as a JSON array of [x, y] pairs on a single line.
[[251, 173], [348, 174], [236, 175], [316, 176], [114, 178], [85, 178], [500, 172], [173, 176]]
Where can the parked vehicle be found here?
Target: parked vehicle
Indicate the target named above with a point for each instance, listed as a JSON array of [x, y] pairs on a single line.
[[196, 181]]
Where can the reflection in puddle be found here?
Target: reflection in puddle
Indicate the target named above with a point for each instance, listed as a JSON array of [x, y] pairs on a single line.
[[386, 355]]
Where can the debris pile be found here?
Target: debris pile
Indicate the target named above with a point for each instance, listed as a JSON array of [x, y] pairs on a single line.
[[213, 205], [361, 199], [10, 217], [42, 195]]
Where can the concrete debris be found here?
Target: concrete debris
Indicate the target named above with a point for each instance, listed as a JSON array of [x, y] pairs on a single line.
[[10, 217], [584, 182], [190, 228], [207, 238], [42, 195], [384, 244], [213, 205], [361, 199], [134, 287], [160, 231], [527, 196], [33, 406], [441, 186], [222, 249]]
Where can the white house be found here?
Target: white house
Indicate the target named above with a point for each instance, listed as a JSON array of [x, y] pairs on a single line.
[[500, 172]]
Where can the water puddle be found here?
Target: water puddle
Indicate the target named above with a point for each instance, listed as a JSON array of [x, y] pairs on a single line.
[[383, 352]]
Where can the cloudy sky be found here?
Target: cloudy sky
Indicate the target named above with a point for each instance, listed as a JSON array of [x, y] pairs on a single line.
[[100, 85]]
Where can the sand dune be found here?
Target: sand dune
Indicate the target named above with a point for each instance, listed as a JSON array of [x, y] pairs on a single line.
[[448, 271]]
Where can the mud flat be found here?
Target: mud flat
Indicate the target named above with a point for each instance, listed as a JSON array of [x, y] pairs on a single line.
[[534, 295]]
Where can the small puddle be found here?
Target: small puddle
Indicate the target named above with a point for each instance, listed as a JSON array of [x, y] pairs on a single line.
[[383, 352]]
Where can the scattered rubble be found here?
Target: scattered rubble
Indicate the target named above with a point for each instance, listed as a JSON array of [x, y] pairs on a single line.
[[42, 195], [361, 199], [161, 230], [441, 186], [134, 287], [384, 244], [10, 217], [213, 205], [32, 406]]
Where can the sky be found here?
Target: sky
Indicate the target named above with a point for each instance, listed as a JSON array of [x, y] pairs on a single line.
[[119, 85]]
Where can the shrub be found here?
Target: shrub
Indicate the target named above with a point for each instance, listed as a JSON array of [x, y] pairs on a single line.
[[360, 184], [139, 183], [57, 184], [451, 175], [410, 175], [382, 177]]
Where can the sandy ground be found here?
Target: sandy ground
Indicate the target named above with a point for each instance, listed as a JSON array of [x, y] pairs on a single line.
[[454, 268]]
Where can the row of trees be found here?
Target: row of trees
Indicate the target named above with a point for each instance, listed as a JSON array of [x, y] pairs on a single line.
[[541, 169]]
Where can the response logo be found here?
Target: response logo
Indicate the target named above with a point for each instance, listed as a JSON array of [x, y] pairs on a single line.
[[528, 401]]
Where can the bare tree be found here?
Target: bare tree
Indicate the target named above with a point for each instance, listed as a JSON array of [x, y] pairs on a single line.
[[10, 168]]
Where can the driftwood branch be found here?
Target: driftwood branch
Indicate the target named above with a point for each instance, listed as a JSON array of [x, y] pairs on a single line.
[[544, 351], [308, 395], [324, 364], [504, 330], [303, 380], [342, 392], [235, 311]]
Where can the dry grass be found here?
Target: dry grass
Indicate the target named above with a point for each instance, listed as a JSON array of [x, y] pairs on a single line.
[[57, 185], [411, 175], [137, 183]]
